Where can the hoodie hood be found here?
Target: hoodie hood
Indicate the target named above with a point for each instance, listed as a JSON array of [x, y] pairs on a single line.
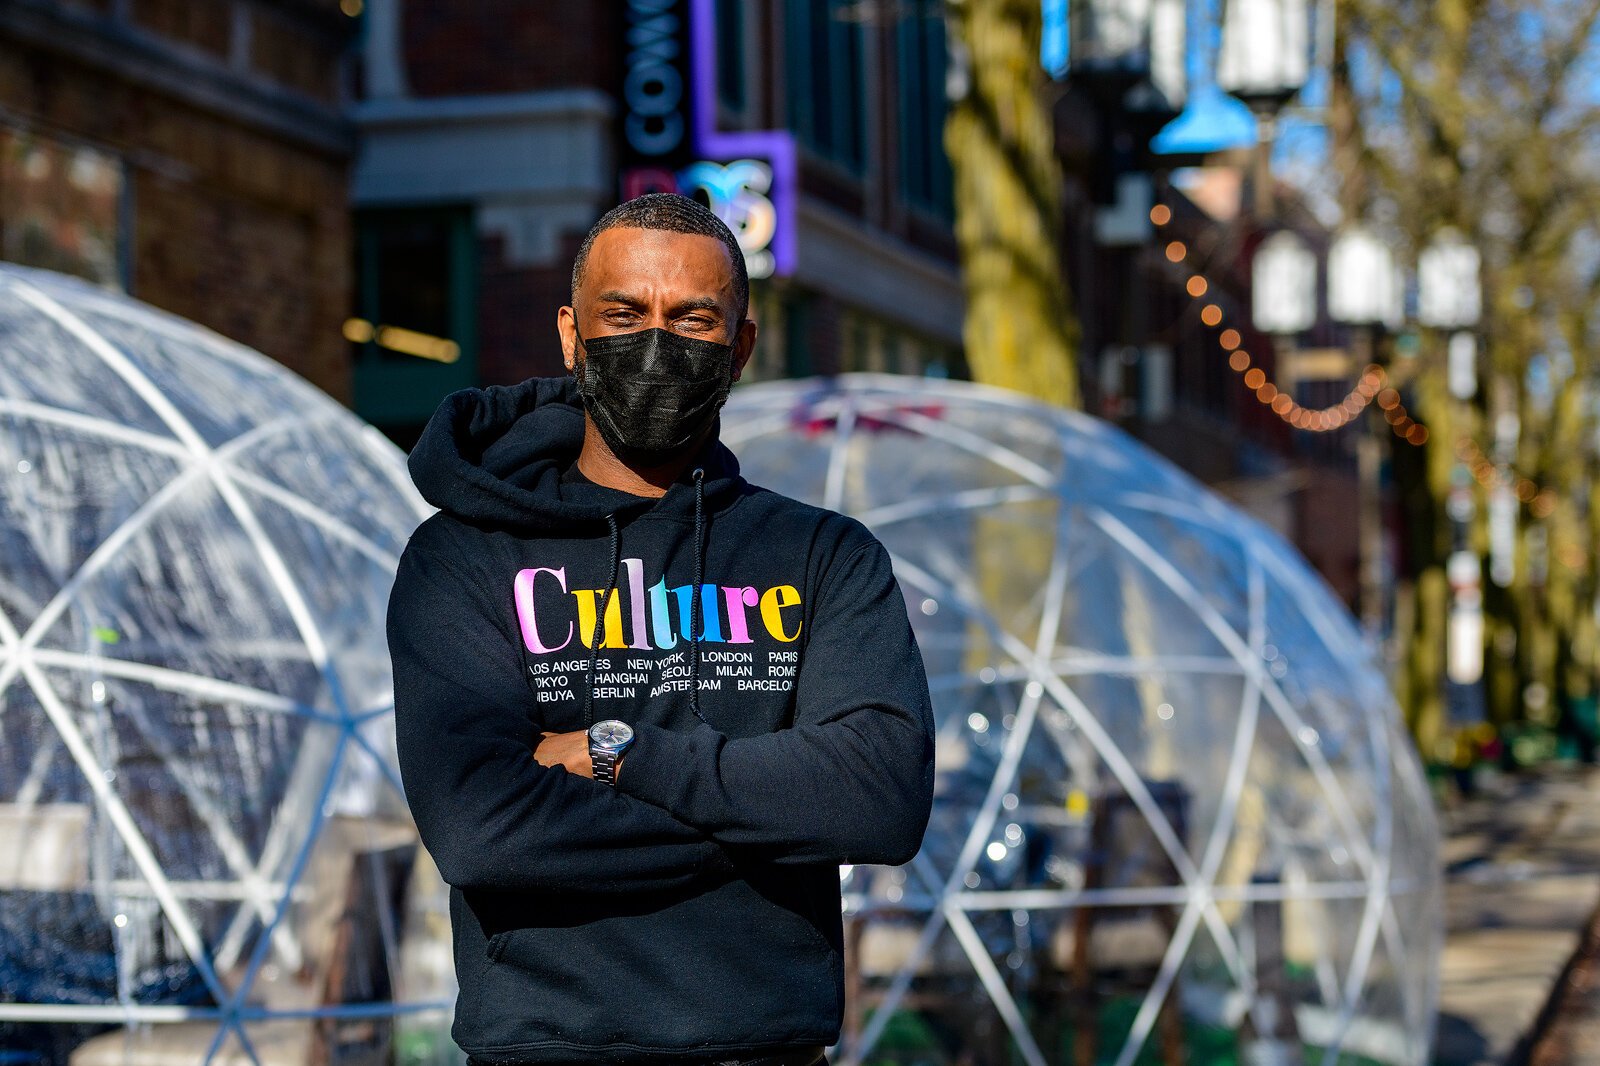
[[494, 456]]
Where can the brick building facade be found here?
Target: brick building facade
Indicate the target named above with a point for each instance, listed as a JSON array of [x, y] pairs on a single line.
[[193, 154]]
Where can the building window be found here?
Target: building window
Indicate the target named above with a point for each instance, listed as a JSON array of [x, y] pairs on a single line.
[[730, 54], [414, 323], [62, 206], [920, 60], [797, 354], [826, 80]]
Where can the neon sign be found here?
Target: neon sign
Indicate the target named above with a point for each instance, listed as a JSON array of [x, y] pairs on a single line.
[[774, 148], [653, 120], [737, 193], [747, 177]]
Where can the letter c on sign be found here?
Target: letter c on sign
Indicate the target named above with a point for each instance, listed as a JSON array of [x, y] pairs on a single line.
[[773, 601], [523, 593]]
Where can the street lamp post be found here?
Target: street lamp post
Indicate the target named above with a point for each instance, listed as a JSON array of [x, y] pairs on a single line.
[[1283, 284], [1283, 296], [1365, 287], [1123, 43], [1266, 50], [1448, 292], [1265, 58], [1366, 293], [1449, 299], [1126, 60], [1283, 303]]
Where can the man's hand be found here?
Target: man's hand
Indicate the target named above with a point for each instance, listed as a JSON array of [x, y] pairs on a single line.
[[570, 751]]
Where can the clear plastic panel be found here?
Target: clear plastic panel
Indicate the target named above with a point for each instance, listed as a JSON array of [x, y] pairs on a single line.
[[260, 401], [199, 803], [1168, 771], [53, 371], [51, 472]]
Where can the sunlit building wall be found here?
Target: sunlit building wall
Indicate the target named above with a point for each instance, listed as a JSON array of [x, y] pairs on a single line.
[[195, 155]]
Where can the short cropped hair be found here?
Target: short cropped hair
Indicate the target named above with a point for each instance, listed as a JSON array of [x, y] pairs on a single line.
[[672, 213]]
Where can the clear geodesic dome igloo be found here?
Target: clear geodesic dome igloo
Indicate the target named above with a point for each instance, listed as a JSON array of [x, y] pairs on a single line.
[[1177, 818], [205, 854]]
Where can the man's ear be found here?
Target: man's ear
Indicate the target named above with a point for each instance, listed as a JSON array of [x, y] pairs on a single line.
[[567, 330], [743, 346]]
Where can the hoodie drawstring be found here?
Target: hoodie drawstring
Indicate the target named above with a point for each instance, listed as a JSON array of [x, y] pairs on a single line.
[[695, 595], [699, 591], [600, 620]]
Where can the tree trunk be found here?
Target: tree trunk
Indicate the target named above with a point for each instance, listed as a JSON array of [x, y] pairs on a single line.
[[1020, 332], [1422, 482]]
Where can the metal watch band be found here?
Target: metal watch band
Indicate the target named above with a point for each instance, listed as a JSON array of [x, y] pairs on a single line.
[[605, 766]]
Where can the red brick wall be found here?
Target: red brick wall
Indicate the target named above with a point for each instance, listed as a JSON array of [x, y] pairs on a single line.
[[297, 53], [274, 276], [292, 42], [517, 314], [235, 228], [207, 26], [507, 46]]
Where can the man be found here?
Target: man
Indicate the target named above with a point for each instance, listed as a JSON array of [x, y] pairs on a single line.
[[644, 708]]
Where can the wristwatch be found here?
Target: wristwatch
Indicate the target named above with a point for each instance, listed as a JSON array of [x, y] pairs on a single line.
[[607, 741]]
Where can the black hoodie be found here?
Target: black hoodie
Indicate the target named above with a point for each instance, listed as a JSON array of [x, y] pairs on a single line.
[[694, 908]]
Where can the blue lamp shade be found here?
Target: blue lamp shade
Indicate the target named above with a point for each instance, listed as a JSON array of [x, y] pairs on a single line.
[[1212, 121]]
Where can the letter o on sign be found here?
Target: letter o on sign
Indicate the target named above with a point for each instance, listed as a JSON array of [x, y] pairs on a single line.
[[647, 141], [652, 89]]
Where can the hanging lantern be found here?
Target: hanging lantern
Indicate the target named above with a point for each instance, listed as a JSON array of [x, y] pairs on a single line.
[[1265, 56], [1448, 292], [1169, 74], [1283, 285], [1365, 287], [1111, 38]]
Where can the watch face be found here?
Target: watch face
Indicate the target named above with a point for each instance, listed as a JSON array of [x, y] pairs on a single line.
[[611, 733]]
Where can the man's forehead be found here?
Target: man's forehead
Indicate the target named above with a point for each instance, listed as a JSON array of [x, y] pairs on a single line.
[[625, 257]]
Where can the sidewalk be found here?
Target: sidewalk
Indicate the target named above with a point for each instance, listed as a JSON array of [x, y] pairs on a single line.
[[1522, 874], [1573, 1033]]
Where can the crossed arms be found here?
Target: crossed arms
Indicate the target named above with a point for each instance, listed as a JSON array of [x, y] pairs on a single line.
[[499, 808]]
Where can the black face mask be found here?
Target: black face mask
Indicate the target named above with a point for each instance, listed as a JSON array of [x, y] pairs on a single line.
[[652, 392]]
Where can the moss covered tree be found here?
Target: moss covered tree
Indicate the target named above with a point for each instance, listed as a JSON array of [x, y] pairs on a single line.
[[1020, 331]]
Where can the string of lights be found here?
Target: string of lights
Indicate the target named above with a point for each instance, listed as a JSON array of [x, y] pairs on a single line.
[[1372, 385], [1541, 502]]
